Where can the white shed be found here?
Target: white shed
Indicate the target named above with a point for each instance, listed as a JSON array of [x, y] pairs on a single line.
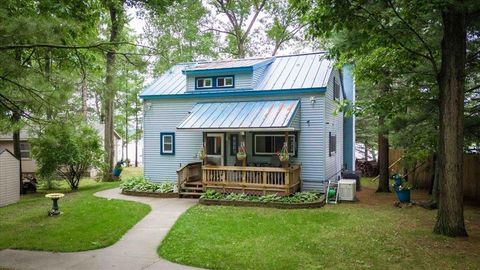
[[9, 178]]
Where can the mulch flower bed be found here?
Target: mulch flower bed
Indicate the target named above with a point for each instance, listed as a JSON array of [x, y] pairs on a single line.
[[280, 205]]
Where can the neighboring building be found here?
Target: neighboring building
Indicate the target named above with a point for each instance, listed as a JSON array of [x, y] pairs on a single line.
[[29, 165], [217, 105], [9, 178]]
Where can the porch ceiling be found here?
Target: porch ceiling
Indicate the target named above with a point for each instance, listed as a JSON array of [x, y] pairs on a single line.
[[246, 115]]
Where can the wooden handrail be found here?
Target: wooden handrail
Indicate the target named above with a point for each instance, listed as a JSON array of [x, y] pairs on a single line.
[[184, 173], [187, 165], [254, 180]]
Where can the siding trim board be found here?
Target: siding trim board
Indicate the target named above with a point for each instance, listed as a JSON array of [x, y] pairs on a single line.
[[236, 93]]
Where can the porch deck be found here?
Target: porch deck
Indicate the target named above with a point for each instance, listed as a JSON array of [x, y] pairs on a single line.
[[238, 179]]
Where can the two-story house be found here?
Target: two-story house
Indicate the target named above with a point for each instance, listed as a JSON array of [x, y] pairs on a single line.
[[263, 104]]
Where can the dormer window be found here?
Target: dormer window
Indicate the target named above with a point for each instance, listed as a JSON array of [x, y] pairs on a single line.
[[224, 82], [204, 83]]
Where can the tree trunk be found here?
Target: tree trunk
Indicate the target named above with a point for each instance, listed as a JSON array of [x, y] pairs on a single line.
[[365, 144], [136, 133], [16, 116], [84, 97], [450, 219], [126, 129], [116, 18], [383, 147]]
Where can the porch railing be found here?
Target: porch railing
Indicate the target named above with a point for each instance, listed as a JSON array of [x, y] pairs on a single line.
[[190, 172], [252, 180]]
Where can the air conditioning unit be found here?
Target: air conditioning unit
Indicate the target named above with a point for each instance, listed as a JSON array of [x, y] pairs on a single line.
[[346, 189]]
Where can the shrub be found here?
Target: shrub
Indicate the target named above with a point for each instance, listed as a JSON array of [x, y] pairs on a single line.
[[141, 184], [299, 197], [66, 149]]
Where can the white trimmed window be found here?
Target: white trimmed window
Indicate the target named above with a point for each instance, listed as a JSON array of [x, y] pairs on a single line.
[[204, 83], [25, 150], [225, 81], [269, 144], [167, 143]]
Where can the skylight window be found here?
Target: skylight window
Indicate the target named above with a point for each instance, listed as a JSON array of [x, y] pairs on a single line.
[[225, 82], [204, 83]]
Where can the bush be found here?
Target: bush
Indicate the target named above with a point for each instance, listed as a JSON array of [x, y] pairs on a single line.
[[299, 197], [141, 184], [66, 149], [48, 183]]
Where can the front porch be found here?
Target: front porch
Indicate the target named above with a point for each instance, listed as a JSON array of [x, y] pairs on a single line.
[[259, 131], [195, 178]]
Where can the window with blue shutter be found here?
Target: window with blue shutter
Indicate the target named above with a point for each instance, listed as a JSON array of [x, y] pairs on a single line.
[[167, 143]]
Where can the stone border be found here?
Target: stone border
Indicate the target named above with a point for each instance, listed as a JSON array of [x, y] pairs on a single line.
[[150, 194], [316, 204]]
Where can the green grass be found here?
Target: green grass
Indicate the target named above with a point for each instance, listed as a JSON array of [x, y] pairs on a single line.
[[87, 222], [369, 234], [131, 172]]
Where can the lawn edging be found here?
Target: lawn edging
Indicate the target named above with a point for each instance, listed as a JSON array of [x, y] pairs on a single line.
[[317, 204], [150, 194]]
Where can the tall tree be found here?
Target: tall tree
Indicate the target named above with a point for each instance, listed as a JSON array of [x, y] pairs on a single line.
[[415, 29], [178, 35], [285, 25], [117, 21], [451, 80], [241, 17]]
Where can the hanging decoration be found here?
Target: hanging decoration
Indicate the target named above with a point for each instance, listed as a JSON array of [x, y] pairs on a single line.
[[202, 154], [242, 152], [283, 155]]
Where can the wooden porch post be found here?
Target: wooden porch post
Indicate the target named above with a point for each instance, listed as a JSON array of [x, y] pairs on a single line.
[[205, 148], [244, 142]]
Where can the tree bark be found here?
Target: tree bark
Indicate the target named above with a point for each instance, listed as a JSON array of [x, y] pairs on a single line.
[[383, 147], [136, 133], [450, 219], [365, 144], [116, 19], [126, 130], [16, 116]]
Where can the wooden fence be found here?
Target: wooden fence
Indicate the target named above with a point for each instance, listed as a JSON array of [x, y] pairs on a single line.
[[421, 177]]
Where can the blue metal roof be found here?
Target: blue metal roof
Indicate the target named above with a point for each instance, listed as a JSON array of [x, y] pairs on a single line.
[[241, 65], [242, 115], [282, 73]]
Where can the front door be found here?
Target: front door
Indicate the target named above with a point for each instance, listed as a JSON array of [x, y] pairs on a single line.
[[215, 148]]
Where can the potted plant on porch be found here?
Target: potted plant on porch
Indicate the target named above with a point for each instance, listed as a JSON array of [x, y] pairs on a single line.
[[202, 154], [283, 156], [242, 152]]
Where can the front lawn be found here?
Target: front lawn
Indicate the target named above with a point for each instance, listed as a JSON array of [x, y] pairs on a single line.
[[87, 222], [371, 233]]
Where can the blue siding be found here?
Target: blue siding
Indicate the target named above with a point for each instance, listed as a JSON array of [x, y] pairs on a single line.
[[349, 123], [166, 115], [333, 124]]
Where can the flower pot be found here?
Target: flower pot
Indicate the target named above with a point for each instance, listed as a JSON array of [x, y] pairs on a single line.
[[283, 158], [116, 172], [403, 195], [241, 156]]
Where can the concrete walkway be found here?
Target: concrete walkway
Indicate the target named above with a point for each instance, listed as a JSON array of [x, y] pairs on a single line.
[[137, 249]]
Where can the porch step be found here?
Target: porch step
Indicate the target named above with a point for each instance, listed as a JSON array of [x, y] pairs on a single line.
[[194, 184], [192, 188]]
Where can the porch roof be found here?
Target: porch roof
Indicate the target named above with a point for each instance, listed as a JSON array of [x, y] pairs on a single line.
[[246, 115]]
